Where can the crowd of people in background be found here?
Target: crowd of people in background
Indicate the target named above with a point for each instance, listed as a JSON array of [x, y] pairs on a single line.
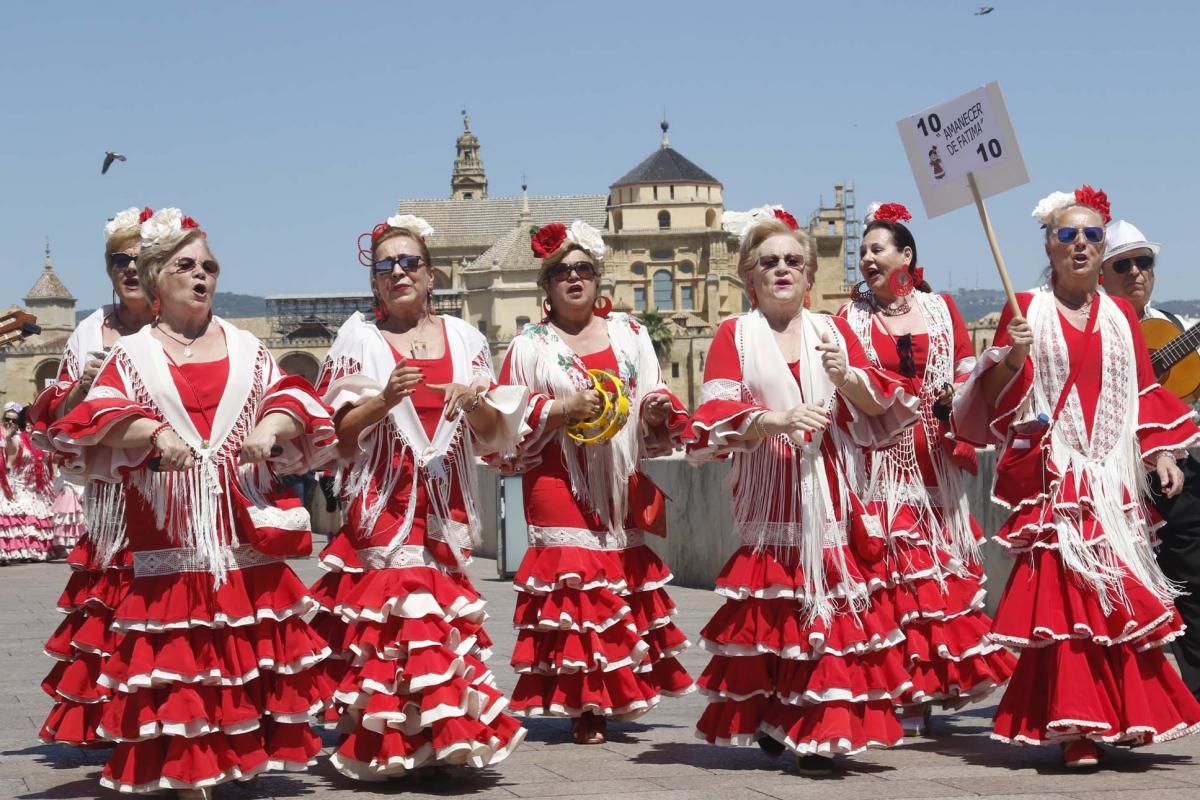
[[852, 606]]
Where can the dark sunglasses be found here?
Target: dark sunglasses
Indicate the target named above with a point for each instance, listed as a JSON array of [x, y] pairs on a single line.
[[186, 265], [771, 262], [120, 261], [1144, 264], [908, 364], [1068, 235], [409, 264], [583, 269]]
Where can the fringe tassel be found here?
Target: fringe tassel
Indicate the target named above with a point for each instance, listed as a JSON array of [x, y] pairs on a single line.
[[104, 515]]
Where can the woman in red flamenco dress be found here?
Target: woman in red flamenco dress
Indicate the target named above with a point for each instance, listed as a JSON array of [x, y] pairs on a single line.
[[84, 638], [804, 654], [595, 639], [916, 485], [414, 399], [210, 673], [1068, 393]]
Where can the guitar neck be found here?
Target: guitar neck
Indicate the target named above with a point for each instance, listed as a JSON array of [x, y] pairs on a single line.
[[1176, 350]]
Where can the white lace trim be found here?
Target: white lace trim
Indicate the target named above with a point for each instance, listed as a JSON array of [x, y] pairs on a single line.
[[787, 534], [409, 555], [540, 536], [289, 519], [721, 389], [451, 531], [172, 560]]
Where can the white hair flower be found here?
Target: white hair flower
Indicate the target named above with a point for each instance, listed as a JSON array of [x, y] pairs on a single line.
[[164, 222], [129, 218], [741, 223], [411, 222], [587, 237], [1050, 204]]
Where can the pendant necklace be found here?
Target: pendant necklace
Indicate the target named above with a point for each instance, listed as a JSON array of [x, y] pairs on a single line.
[[187, 346]]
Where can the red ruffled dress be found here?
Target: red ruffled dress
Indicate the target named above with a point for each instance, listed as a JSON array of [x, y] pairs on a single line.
[[938, 595], [209, 682], [343, 570], [1084, 671], [817, 687], [83, 639], [595, 630], [26, 521], [414, 689]]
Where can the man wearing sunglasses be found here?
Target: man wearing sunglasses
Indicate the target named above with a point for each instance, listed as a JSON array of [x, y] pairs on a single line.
[[1129, 262]]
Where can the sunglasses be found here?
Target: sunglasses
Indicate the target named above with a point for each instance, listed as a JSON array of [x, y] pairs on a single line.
[[409, 264], [908, 364], [1143, 263], [791, 262], [1068, 235], [186, 265], [561, 272], [121, 261]]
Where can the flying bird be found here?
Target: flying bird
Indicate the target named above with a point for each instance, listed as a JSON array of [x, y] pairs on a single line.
[[109, 158], [984, 10]]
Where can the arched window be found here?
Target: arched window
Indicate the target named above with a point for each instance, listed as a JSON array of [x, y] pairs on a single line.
[[43, 376], [664, 220], [710, 218], [617, 221], [664, 290]]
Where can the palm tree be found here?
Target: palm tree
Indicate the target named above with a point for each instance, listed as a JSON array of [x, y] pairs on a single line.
[[659, 330]]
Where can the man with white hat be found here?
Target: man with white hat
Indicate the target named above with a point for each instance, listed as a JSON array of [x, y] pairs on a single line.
[[1129, 262]]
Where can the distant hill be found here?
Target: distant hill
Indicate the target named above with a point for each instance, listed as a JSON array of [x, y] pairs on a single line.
[[976, 303], [1184, 308], [226, 304]]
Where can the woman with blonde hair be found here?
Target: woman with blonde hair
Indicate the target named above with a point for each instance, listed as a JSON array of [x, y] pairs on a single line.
[[83, 639], [211, 674], [1068, 395], [803, 649], [414, 401], [595, 636]]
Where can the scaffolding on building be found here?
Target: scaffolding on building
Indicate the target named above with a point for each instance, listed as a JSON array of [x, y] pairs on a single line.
[[852, 235], [308, 313]]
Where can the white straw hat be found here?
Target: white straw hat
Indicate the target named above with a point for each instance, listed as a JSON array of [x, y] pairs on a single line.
[[1121, 237]]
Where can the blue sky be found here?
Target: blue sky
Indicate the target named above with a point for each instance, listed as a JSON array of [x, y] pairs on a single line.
[[287, 128]]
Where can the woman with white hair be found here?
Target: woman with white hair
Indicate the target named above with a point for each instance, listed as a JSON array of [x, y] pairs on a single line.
[[414, 401], [211, 673], [1068, 395], [595, 636], [83, 638], [804, 655]]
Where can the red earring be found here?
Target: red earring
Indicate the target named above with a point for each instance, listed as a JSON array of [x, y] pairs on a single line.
[[546, 308], [380, 310], [602, 307]]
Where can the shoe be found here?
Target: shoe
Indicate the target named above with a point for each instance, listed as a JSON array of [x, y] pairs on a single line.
[[1080, 754], [588, 729], [814, 766], [918, 726], [772, 747]]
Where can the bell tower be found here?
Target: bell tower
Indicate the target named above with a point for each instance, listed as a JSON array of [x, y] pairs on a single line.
[[469, 182]]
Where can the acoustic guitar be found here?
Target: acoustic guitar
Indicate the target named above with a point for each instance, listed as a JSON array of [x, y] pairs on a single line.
[[16, 325], [1173, 355]]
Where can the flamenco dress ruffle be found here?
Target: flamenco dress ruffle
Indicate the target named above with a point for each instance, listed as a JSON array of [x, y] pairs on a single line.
[[210, 685], [595, 631], [343, 570], [67, 512], [1129, 693], [818, 687], [416, 692], [940, 605], [80, 645]]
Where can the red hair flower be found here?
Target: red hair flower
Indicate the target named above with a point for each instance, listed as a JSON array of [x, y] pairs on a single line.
[[186, 223], [892, 212], [146, 214], [786, 219], [547, 239], [1094, 199]]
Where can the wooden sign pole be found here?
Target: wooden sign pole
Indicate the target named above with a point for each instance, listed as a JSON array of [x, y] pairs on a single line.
[[991, 237]]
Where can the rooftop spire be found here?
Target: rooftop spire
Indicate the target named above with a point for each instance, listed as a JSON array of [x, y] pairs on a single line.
[[468, 181], [49, 264], [666, 140], [466, 121], [524, 196]]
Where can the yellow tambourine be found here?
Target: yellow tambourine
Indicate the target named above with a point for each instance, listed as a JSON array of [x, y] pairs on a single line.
[[611, 418]]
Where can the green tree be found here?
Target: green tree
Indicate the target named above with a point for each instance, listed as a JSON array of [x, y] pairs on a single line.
[[659, 330]]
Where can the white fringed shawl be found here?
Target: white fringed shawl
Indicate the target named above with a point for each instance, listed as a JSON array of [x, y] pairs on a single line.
[[360, 362], [1109, 460], [540, 359], [758, 474], [895, 468]]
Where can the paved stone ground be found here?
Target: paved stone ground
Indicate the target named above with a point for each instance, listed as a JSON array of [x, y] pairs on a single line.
[[656, 758]]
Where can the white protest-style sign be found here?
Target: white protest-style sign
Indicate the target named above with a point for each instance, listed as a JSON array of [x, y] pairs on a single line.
[[969, 135]]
